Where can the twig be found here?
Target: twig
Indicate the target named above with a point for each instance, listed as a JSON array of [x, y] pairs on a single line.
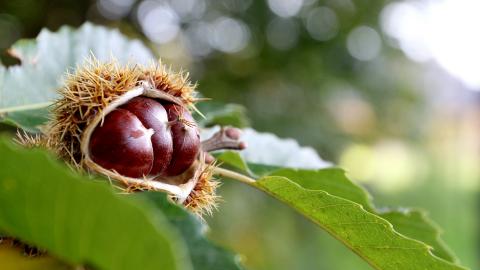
[[233, 175], [225, 138]]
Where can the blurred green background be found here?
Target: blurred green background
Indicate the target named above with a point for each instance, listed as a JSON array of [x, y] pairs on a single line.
[[389, 90]]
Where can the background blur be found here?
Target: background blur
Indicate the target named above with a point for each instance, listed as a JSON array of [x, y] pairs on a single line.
[[389, 90]]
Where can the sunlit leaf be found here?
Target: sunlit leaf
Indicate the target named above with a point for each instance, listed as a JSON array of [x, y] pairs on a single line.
[[331, 180]]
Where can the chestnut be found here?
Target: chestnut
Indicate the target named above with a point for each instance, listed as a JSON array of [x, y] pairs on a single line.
[[153, 115], [186, 139], [146, 138], [122, 143], [132, 124]]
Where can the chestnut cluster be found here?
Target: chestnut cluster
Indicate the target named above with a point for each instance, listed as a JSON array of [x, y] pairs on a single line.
[[146, 137]]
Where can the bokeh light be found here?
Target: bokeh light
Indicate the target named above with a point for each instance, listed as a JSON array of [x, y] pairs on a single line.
[[390, 166], [159, 22], [189, 9], [285, 8], [352, 113], [114, 9], [229, 35], [197, 39], [322, 23], [446, 31], [364, 43]]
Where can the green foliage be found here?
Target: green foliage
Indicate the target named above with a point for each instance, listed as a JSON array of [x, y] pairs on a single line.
[[204, 255], [331, 180], [221, 114], [29, 120], [416, 225], [12, 258], [370, 236], [44, 61], [234, 160], [411, 223], [81, 220], [332, 201]]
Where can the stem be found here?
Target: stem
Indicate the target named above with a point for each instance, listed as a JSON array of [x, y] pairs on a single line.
[[233, 175], [225, 138]]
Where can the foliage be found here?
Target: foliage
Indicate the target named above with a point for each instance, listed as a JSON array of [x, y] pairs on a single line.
[[81, 221], [13, 258], [44, 61], [344, 210], [204, 254], [84, 220]]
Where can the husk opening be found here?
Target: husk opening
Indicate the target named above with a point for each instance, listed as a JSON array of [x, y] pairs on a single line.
[[95, 90]]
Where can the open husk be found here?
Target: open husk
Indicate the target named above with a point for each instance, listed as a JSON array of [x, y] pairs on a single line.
[[96, 89]]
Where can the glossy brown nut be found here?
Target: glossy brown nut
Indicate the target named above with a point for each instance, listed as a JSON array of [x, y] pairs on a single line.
[[122, 144], [186, 139], [153, 115]]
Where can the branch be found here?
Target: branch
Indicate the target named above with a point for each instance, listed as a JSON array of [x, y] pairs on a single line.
[[233, 175], [225, 138]]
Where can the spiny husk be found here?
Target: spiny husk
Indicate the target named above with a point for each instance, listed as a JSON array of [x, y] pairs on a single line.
[[202, 199], [97, 88], [31, 140], [93, 87]]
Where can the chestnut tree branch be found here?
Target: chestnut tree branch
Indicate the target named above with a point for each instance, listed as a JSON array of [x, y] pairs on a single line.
[[225, 138], [233, 175]]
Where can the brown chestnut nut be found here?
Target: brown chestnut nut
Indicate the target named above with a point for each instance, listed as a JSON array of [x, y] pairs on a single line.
[[153, 115], [122, 144], [144, 137], [186, 139]]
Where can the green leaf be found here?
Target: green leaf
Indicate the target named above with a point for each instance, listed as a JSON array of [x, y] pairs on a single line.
[[28, 120], [334, 181], [234, 160], [81, 220], [222, 114], [331, 180], [415, 224], [410, 223], [44, 60], [204, 254], [370, 236]]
